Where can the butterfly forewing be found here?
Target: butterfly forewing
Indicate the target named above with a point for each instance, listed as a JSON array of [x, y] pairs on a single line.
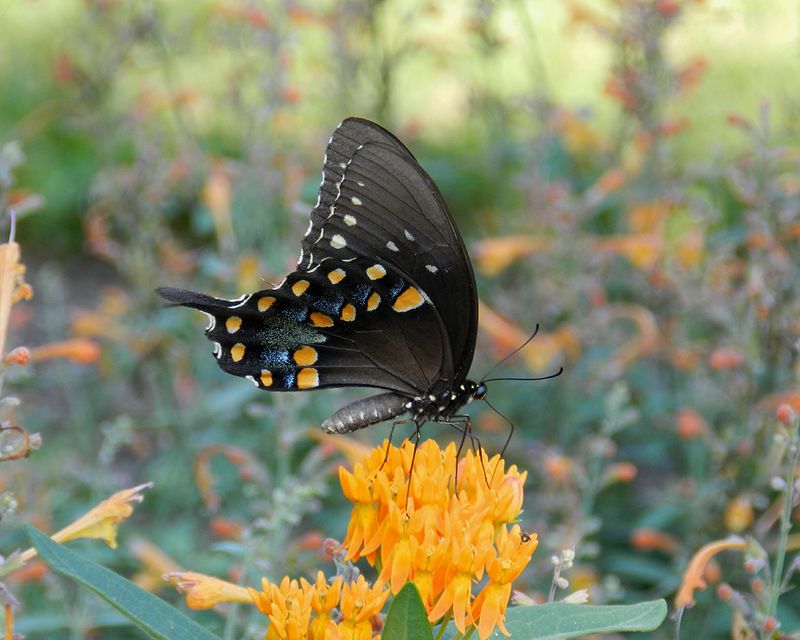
[[387, 210], [351, 134]]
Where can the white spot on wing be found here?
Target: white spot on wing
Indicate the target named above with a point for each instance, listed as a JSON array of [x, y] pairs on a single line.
[[359, 183], [392, 246], [212, 321], [310, 226], [408, 235], [252, 379], [338, 242], [432, 268], [355, 201], [343, 165], [350, 220], [217, 350]]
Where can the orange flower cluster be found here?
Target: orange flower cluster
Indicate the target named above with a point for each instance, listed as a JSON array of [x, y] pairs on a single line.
[[443, 527], [290, 606]]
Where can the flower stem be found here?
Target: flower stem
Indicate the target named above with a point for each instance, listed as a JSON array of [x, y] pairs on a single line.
[[786, 525], [443, 625]]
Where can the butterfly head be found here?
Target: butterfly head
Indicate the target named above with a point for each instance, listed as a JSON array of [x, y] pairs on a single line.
[[479, 392]]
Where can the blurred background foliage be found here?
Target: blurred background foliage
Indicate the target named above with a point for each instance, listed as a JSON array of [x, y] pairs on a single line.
[[625, 173]]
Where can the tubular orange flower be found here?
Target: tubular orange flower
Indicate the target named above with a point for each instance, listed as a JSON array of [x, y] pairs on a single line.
[[79, 350], [100, 522], [693, 576], [155, 563], [204, 592]]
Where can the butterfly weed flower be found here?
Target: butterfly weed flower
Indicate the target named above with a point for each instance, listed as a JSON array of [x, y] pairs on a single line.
[[321, 610], [443, 535]]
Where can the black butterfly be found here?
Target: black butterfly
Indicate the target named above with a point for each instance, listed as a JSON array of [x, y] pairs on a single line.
[[383, 296]]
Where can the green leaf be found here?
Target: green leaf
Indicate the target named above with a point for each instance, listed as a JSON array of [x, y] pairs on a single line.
[[407, 619], [149, 613], [557, 620]]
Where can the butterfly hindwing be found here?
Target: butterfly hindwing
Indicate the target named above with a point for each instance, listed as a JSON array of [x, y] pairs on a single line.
[[325, 329]]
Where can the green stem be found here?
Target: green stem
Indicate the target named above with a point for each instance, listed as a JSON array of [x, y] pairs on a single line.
[[786, 525], [469, 632], [443, 625]]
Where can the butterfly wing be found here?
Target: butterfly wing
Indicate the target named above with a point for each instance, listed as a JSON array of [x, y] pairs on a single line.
[[377, 204], [383, 295]]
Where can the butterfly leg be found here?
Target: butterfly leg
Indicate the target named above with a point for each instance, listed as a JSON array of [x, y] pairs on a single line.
[[391, 435], [463, 423], [417, 436]]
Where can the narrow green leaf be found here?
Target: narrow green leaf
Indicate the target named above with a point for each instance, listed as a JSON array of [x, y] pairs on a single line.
[[407, 619], [557, 621], [151, 614]]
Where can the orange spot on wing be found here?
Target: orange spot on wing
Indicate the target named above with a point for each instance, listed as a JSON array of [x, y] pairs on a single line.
[[321, 320], [265, 302], [411, 298], [307, 378], [299, 287], [233, 324], [373, 301], [237, 352], [306, 356]]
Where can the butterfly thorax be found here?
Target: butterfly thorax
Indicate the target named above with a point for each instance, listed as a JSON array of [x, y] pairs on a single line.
[[443, 406]]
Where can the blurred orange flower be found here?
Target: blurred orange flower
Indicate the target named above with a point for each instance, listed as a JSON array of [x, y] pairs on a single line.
[[643, 250], [559, 468], [693, 577], [79, 350], [493, 255], [646, 539], [725, 358], [155, 563], [690, 424], [739, 513], [648, 217], [544, 352]]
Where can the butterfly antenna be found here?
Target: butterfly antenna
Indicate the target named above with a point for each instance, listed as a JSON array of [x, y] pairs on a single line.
[[508, 439], [513, 353], [547, 377]]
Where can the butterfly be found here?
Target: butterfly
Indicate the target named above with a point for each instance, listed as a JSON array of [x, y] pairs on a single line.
[[383, 295]]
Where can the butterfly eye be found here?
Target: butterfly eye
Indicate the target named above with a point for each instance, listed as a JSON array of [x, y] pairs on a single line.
[[480, 392]]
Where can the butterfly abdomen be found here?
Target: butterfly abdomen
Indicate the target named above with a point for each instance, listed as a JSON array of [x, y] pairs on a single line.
[[366, 412]]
